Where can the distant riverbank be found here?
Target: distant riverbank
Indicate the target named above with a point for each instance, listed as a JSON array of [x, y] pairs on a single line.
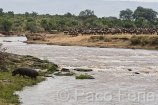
[[102, 41]]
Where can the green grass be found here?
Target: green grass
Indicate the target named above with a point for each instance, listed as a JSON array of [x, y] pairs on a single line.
[[3, 102], [52, 69], [9, 84], [83, 76]]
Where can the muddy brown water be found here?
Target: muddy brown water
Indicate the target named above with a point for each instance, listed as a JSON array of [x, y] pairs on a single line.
[[114, 83]]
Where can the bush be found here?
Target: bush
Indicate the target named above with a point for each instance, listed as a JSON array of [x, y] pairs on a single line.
[[144, 40], [101, 38], [153, 40], [97, 38], [139, 40], [3, 58], [135, 40], [52, 69]]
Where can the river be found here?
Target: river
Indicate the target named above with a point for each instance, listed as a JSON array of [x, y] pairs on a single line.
[[114, 84]]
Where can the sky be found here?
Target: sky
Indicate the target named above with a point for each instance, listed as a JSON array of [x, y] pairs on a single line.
[[101, 8]]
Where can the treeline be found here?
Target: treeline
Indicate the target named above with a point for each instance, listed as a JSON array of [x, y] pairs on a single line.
[[33, 22]]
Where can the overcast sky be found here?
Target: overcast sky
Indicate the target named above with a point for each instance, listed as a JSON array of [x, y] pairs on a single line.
[[101, 8]]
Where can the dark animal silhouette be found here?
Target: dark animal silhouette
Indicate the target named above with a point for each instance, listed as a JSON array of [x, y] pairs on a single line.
[[25, 71]]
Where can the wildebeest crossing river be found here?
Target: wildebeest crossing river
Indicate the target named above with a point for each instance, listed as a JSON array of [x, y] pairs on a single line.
[[122, 76]]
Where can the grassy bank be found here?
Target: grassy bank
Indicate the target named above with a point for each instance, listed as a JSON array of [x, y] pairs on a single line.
[[9, 84], [150, 42], [127, 41]]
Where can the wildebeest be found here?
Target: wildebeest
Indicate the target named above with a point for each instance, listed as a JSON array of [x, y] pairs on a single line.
[[25, 71]]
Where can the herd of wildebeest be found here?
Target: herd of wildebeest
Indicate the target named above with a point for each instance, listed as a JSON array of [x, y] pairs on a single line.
[[96, 31], [111, 31]]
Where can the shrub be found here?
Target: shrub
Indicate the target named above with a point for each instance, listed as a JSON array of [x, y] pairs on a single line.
[[135, 40], [107, 40], [144, 40], [3, 58], [97, 38], [52, 69], [101, 38], [153, 40]]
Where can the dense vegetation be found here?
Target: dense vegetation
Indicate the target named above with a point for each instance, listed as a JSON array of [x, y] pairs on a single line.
[[33, 22]]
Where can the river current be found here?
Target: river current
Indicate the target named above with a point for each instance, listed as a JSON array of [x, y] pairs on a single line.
[[114, 83]]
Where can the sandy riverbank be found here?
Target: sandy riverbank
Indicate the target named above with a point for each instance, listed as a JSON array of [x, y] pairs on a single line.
[[102, 41]]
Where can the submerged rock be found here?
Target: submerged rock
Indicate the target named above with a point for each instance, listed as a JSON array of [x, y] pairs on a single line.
[[90, 77], [84, 76], [65, 70], [83, 70], [54, 64], [129, 69], [64, 73]]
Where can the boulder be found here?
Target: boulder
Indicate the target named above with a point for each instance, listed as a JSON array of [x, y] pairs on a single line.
[[65, 70]]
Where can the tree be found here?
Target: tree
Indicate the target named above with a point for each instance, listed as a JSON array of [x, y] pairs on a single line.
[[26, 14], [74, 23], [86, 13], [126, 14], [10, 13], [33, 27], [5, 24], [156, 22], [139, 22], [34, 14], [47, 25], [62, 23], [111, 18], [68, 14], [147, 13], [1, 12], [29, 19], [129, 25]]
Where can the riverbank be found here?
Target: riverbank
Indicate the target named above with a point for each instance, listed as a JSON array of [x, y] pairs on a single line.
[[101, 41], [113, 69], [9, 84]]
